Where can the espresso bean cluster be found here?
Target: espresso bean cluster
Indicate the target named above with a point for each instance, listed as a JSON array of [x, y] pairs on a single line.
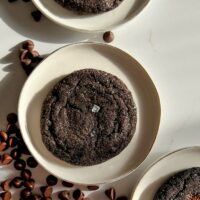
[[29, 57]]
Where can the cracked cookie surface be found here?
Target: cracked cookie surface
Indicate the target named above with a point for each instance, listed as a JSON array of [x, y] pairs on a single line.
[[88, 117], [184, 185], [90, 6]]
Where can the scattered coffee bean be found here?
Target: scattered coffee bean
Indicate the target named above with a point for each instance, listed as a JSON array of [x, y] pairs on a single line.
[[15, 154], [17, 182], [35, 197], [31, 162], [51, 180], [67, 184], [5, 185], [26, 174], [46, 191], [93, 187], [29, 57], [25, 193], [28, 45], [12, 128], [111, 193], [3, 136], [64, 195], [13, 141], [6, 195], [37, 15], [6, 159], [122, 198], [29, 184], [108, 36], [3, 146], [12, 118], [23, 148], [78, 194], [20, 164]]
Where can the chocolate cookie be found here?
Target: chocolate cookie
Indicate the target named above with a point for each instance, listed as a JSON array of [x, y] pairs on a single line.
[[88, 117], [184, 185], [90, 6]]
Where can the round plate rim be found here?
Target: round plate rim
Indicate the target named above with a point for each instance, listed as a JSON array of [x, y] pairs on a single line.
[[157, 161], [144, 71], [86, 30]]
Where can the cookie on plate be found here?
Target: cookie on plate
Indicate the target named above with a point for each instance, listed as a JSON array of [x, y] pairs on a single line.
[[184, 185], [88, 117], [90, 6]]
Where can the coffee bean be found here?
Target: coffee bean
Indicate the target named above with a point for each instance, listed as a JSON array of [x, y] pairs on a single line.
[[23, 148], [5, 185], [3, 136], [64, 195], [20, 164], [46, 191], [6, 195], [25, 193], [111, 193], [67, 184], [3, 146], [51, 180], [29, 184], [37, 15], [26, 174], [28, 43], [35, 197], [12, 128], [108, 36], [13, 141], [122, 198], [78, 194], [12, 118], [6, 159], [15, 154], [17, 182], [31, 162], [93, 187]]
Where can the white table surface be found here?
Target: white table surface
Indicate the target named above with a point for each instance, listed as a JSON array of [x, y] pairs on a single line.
[[164, 38]]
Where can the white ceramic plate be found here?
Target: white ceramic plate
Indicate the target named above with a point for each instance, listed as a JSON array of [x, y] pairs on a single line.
[[100, 22], [163, 169], [109, 59]]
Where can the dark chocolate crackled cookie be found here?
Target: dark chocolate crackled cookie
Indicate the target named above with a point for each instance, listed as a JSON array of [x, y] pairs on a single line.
[[184, 185], [88, 117], [90, 6]]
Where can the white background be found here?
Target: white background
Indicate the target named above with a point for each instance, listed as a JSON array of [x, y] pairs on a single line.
[[164, 38]]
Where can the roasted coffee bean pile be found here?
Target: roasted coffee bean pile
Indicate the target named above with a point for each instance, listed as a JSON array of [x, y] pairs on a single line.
[[36, 14], [25, 182], [29, 57]]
